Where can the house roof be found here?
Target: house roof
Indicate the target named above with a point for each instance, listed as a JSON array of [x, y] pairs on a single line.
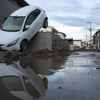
[[62, 33], [77, 40], [22, 3], [96, 32]]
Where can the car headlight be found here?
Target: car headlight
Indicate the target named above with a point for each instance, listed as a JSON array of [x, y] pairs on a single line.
[[13, 43]]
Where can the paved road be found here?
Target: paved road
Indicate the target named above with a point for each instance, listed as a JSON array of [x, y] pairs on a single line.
[[78, 80]]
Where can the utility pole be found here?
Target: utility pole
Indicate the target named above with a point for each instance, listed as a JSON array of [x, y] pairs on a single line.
[[86, 36], [90, 29]]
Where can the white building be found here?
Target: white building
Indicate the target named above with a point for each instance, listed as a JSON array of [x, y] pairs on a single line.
[[71, 47], [52, 29], [62, 35], [77, 44]]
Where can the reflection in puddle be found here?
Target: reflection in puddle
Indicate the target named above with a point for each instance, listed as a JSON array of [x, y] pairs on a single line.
[[77, 53], [22, 83], [26, 79], [98, 68]]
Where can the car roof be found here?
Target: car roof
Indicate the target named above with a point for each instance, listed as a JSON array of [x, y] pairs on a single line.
[[24, 11]]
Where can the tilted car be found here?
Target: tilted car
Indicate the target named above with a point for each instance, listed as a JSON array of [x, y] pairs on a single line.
[[21, 26]]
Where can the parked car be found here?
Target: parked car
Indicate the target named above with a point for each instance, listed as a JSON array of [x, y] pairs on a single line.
[[21, 26]]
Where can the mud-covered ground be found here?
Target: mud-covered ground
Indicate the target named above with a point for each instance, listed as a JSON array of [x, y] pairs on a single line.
[[65, 76]]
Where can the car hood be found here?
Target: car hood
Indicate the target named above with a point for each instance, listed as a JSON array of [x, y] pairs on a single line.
[[5, 37]]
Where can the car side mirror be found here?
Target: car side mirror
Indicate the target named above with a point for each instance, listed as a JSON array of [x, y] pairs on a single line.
[[26, 27]]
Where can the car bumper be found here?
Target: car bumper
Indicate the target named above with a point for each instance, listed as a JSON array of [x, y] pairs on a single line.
[[15, 47]]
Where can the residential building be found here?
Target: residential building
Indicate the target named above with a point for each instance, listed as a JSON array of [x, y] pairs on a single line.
[[62, 35], [96, 40], [77, 44], [71, 47], [84, 44], [49, 29], [52, 29]]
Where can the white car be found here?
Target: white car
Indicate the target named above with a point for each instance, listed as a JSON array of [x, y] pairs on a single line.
[[21, 26]]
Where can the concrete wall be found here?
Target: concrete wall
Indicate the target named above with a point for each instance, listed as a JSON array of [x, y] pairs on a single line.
[[41, 66], [47, 40], [59, 43], [41, 40]]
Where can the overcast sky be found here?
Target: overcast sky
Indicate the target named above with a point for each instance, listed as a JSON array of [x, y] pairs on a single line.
[[71, 16]]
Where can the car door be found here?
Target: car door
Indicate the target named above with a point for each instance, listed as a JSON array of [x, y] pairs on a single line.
[[38, 18], [32, 21]]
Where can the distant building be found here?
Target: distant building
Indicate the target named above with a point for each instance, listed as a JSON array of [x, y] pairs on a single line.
[[84, 44], [71, 47], [52, 29], [9, 6], [96, 40], [77, 44], [90, 44], [49, 29], [62, 35]]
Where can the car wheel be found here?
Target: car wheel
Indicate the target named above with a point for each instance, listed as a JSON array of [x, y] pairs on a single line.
[[24, 45], [45, 24], [24, 63]]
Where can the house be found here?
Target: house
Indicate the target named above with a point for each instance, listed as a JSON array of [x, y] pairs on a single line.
[[62, 35], [52, 29], [84, 44], [49, 29], [96, 40], [71, 47], [9, 6], [77, 44]]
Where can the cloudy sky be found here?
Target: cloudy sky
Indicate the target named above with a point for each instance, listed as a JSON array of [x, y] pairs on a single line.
[[71, 16]]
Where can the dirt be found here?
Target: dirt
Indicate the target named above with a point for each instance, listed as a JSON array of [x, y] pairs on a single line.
[[45, 54]]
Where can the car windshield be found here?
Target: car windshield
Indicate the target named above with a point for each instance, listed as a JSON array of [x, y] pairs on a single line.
[[13, 23]]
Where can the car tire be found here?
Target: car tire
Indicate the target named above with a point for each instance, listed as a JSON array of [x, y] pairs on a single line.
[[24, 63], [45, 24], [24, 46]]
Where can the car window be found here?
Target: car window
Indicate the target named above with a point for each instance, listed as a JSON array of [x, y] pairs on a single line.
[[29, 20], [30, 88], [32, 16], [13, 23], [36, 12], [12, 83]]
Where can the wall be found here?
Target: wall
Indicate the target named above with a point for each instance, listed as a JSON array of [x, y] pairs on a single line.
[[47, 40], [41, 40], [96, 40], [59, 43]]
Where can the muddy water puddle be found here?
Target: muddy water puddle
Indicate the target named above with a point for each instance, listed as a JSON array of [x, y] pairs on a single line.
[[73, 77]]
